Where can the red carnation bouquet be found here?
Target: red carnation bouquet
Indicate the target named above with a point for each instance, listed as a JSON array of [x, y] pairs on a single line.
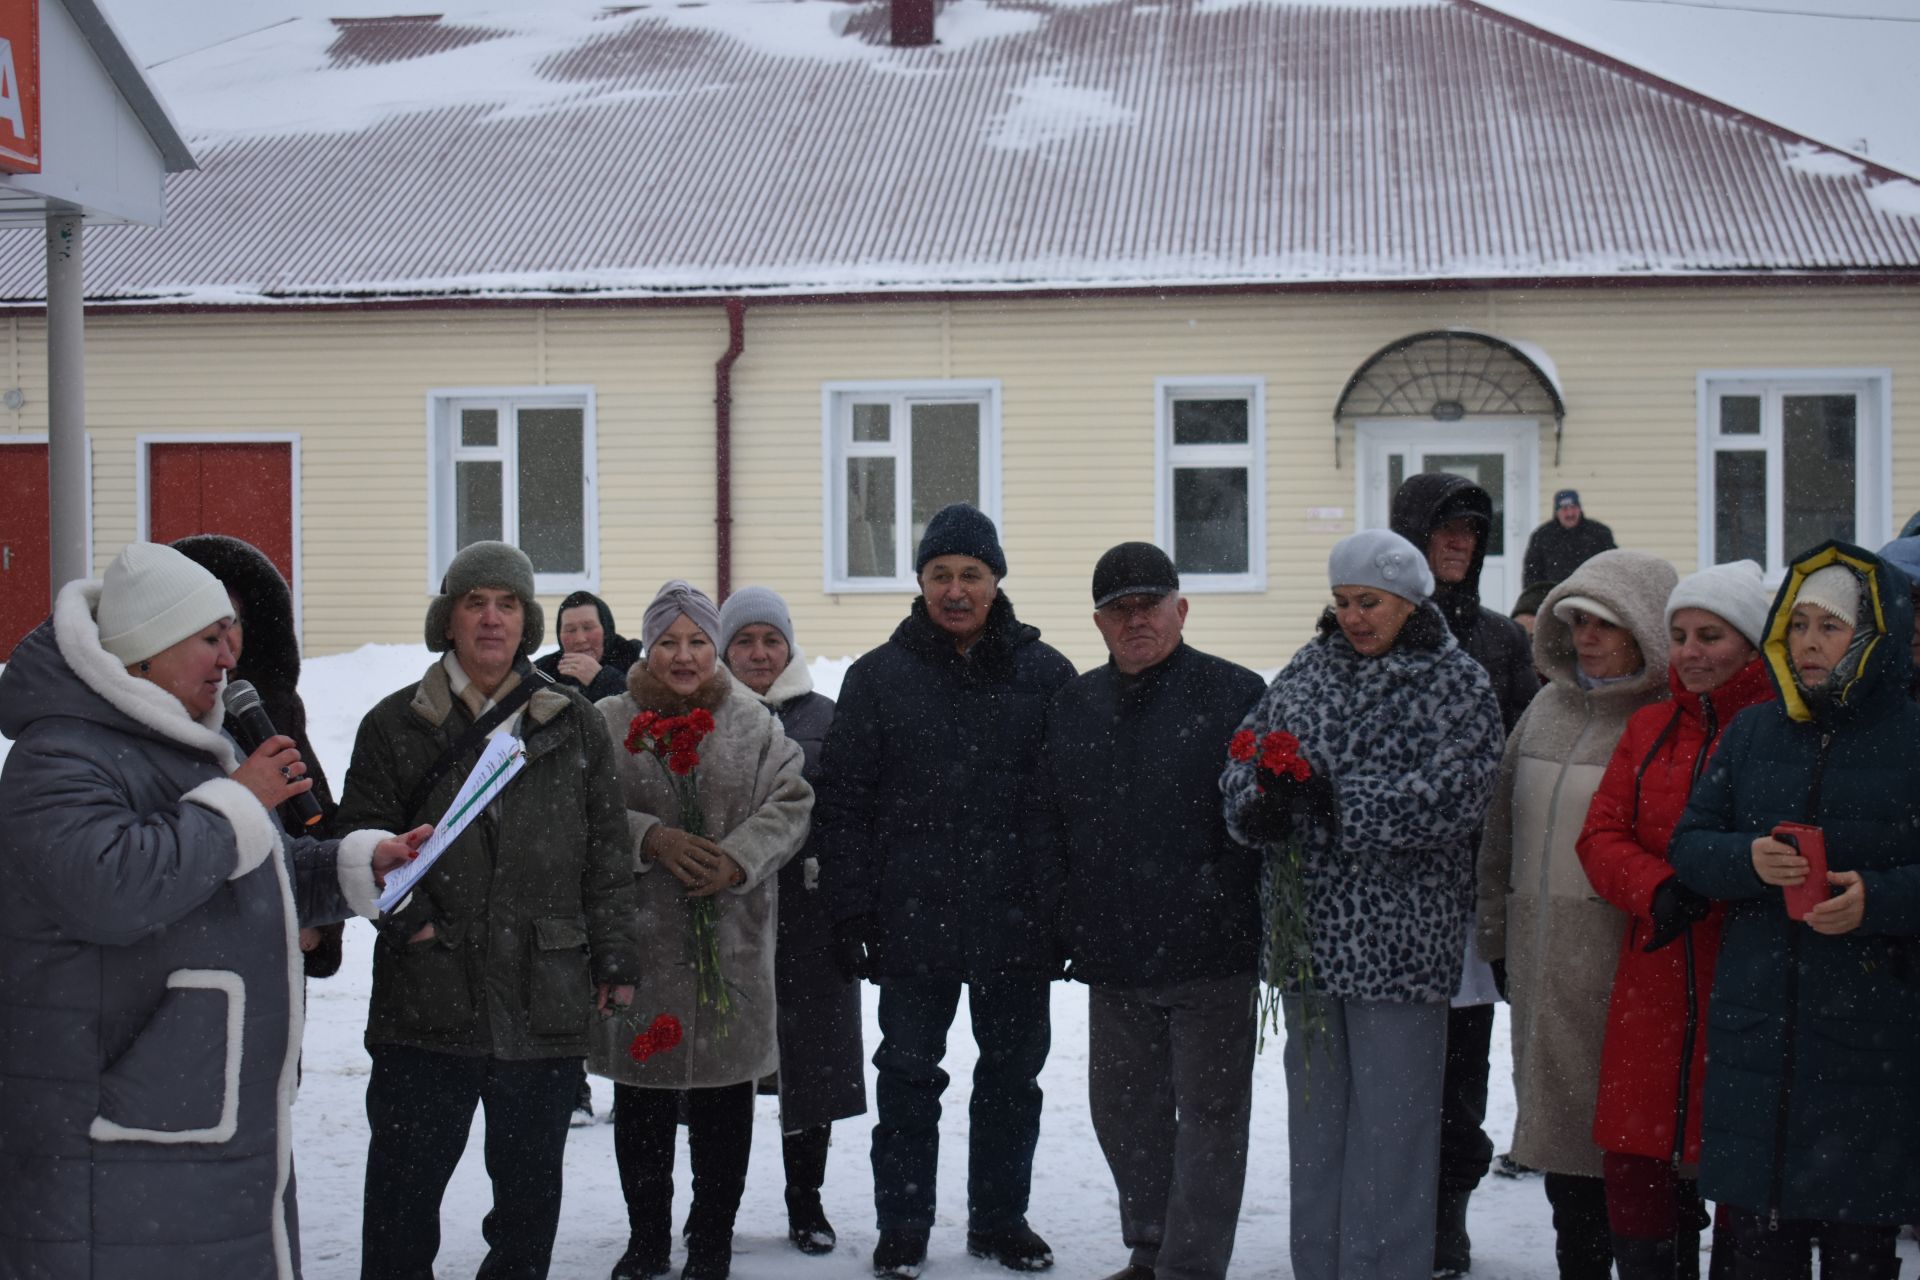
[[675, 742], [1276, 759], [663, 1035]]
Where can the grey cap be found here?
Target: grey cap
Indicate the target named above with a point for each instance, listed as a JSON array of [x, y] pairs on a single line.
[[487, 564], [1382, 559], [750, 605]]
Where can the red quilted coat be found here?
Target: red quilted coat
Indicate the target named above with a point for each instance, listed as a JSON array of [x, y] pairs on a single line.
[[1623, 848]]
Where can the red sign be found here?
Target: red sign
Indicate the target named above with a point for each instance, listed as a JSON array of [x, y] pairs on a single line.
[[20, 86]]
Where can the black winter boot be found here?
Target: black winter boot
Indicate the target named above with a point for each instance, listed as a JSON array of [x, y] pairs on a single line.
[[1582, 1244], [805, 1153], [900, 1253], [1641, 1259], [1452, 1249]]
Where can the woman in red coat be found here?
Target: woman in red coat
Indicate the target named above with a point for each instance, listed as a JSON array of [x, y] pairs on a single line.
[[1648, 1119]]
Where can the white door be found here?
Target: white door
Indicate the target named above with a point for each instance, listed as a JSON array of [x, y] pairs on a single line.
[[1501, 456]]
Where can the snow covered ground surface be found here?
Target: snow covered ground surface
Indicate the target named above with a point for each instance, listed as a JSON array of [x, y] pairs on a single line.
[[1073, 1198]]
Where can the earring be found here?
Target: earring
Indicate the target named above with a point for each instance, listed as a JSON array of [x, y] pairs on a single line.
[[145, 667]]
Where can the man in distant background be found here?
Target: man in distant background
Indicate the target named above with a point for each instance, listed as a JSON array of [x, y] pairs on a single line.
[[1564, 543]]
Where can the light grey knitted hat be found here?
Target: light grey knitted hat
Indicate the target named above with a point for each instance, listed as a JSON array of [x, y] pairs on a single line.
[[1836, 589], [487, 564], [749, 605], [1382, 559]]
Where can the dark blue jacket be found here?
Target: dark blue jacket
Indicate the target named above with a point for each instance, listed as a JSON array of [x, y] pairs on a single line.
[[924, 779], [1812, 1101], [1155, 890]]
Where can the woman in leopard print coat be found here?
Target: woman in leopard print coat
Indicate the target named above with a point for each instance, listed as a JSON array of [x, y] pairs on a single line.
[[1403, 735]]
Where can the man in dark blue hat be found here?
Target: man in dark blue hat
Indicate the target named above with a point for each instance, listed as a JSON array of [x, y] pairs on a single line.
[[1565, 542]]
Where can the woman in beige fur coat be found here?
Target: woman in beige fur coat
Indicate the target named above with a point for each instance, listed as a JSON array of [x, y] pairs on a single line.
[[756, 810], [1601, 639]]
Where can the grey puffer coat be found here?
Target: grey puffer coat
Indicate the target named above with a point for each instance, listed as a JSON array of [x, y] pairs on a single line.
[[150, 977], [756, 806], [1410, 740], [1538, 912]]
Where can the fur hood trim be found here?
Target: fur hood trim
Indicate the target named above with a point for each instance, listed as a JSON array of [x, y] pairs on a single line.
[[795, 682], [145, 703], [650, 693]]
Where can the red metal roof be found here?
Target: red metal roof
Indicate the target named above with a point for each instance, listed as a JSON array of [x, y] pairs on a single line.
[[1045, 144]]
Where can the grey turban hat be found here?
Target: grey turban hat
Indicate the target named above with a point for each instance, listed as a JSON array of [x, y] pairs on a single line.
[[676, 597]]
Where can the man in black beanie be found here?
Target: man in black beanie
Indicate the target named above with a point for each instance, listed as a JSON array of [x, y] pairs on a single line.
[[1565, 542], [924, 782]]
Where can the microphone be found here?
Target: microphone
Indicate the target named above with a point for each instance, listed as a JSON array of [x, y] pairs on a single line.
[[253, 727]]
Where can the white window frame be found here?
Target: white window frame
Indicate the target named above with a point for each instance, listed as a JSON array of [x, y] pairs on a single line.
[[838, 445], [143, 512], [443, 449], [1873, 447], [1168, 457]]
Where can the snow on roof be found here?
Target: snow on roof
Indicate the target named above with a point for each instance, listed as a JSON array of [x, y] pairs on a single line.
[[786, 148]]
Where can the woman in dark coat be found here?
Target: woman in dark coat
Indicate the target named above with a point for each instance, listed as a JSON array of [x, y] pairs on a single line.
[[822, 1064], [592, 657], [1654, 1057], [1812, 1123], [266, 651]]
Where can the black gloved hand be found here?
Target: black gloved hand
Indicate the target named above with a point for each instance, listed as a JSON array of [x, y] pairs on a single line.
[[1499, 968], [856, 944], [1674, 908], [1317, 800], [1268, 817]]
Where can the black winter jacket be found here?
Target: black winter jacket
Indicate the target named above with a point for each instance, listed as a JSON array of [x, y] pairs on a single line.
[[1498, 643], [1554, 552], [1155, 890], [926, 774]]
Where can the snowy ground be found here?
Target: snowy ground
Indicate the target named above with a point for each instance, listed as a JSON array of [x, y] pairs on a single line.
[[1073, 1200]]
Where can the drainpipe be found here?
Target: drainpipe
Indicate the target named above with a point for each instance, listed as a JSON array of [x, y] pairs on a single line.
[[723, 447], [67, 479]]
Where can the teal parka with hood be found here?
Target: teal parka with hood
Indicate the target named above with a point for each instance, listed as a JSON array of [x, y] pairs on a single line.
[[1812, 1109]]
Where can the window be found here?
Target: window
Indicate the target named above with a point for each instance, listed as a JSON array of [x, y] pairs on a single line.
[[896, 453], [1211, 504], [516, 465], [1790, 459]]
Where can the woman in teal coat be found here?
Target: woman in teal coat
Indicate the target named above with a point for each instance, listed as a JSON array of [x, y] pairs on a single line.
[[1812, 1120]]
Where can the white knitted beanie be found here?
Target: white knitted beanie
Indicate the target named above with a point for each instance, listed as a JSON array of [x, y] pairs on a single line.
[[1835, 589], [152, 598], [1736, 592]]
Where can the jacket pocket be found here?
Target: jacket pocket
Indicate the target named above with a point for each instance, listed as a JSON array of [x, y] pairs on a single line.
[[430, 988], [179, 1081], [559, 985]]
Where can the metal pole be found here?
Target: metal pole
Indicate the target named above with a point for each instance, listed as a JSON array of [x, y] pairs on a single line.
[[66, 401]]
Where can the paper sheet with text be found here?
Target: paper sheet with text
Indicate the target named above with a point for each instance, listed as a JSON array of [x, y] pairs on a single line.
[[503, 758]]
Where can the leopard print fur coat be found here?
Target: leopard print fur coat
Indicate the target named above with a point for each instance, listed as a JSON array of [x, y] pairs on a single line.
[[1410, 741]]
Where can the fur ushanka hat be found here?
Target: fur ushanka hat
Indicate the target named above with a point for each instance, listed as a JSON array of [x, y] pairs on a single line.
[[486, 564]]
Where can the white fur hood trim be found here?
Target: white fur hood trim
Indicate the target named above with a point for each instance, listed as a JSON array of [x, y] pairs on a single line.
[[78, 636], [795, 682]]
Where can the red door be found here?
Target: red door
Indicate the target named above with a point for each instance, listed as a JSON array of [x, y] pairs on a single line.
[[241, 490], [26, 545]]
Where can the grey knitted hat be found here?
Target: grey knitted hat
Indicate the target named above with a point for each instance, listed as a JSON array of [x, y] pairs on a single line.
[[749, 605], [1736, 592], [486, 564], [1383, 560], [152, 598]]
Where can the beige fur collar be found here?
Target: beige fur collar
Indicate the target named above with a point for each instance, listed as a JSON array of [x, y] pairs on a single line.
[[650, 693]]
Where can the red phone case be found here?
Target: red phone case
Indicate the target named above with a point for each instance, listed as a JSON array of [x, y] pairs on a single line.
[[1814, 890]]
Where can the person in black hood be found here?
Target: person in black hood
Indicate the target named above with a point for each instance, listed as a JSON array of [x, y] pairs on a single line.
[[267, 653], [593, 657], [1449, 518]]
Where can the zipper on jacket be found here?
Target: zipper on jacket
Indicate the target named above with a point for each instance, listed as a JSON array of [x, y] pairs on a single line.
[[1710, 722], [1777, 1182]]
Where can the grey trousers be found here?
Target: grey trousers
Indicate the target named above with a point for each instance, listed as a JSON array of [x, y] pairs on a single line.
[[1170, 1083], [1363, 1125]]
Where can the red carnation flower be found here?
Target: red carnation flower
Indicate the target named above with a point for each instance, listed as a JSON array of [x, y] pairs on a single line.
[[1300, 770], [663, 1035], [1242, 746], [683, 763], [702, 721]]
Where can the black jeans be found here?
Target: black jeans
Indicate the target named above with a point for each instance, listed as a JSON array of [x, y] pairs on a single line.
[[420, 1109], [1012, 1026], [719, 1139], [1466, 1151], [1848, 1250]]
